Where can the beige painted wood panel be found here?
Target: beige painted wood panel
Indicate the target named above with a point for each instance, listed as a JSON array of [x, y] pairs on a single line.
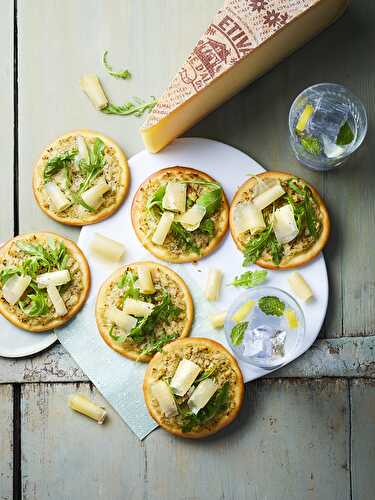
[[6, 120], [67, 455], [363, 438], [6, 442]]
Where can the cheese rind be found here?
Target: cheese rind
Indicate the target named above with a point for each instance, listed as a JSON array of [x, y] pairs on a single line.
[[174, 198], [145, 282], [137, 308], [121, 319], [56, 300], [267, 197], [184, 376], [192, 218], [247, 217], [213, 284], [56, 278], [107, 248], [202, 394], [284, 224], [163, 228], [300, 287], [58, 199], [15, 287], [162, 394]]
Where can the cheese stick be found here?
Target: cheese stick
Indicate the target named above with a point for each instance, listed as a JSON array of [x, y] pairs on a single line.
[[91, 85], [56, 278], [137, 307], [214, 280], [56, 300], [218, 319], [300, 287], [107, 248], [192, 218], [164, 397], [284, 224], [267, 197], [121, 319], [82, 404], [94, 196], [163, 228], [184, 376], [57, 197], [247, 217], [202, 394], [146, 285], [175, 197], [15, 287]]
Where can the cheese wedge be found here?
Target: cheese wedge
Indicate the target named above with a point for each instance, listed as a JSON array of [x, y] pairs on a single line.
[[202, 394], [192, 218], [267, 197], [83, 152], [300, 287], [213, 284], [247, 217], [218, 319], [15, 287], [164, 397], [56, 278], [163, 228], [243, 311], [245, 40], [107, 248], [94, 196], [56, 300], [284, 224], [175, 197], [58, 199], [137, 307], [121, 319], [145, 282], [184, 376], [92, 87]]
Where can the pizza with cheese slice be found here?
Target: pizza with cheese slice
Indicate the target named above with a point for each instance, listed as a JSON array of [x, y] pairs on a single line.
[[278, 221], [180, 214], [193, 387], [44, 281]]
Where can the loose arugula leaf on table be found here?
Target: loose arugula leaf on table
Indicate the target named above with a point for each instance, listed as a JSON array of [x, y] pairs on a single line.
[[124, 74], [184, 237], [57, 163], [137, 107], [36, 303], [157, 344], [238, 332], [207, 226], [255, 247], [211, 200], [249, 279], [271, 305]]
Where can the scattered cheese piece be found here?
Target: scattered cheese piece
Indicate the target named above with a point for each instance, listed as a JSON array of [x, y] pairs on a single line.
[[93, 197], [164, 397], [56, 300], [291, 318], [15, 287], [192, 218], [247, 217], [213, 284], [267, 197], [83, 152], [91, 85], [121, 319], [304, 118], [184, 376], [284, 224], [137, 308], [218, 319], [107, 248], [82, 404], [57, 197], [145, 282], [56, 278], [243, 311], [300, 287], [175, 197], [163, 228], [202, 394]]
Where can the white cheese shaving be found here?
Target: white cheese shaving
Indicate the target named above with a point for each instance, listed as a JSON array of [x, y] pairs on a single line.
[[83, 152], [58, 199], [145, 283], [175, 197], [91, 85], [192, 218], [56, 278], [184, 376], [163, 228], [213, 284], [202, 394], [121, 319], [56, 300], [284, 224], [164, 397], [300, 287], [267, 197], [218, 319], [94, 196], [247, 217], [15, 287], [107, 248], [137, 308]]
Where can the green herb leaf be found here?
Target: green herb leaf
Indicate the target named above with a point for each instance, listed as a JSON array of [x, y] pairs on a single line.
[[271, 305], [311, 144], [51, 257], [310, 215], [116, 338], [137, 108], [295, 188], [157, 344], [36, 303], [211, 201], [238, 332], [209, 184], [184, 237], [94, 167], [249, 279], [276, 249], [127, 281], [78, 200], [345, 135], [124, 74], [205, 375], [207, 226], [7, 273], [57, 163], [255, 247], [156, 199]]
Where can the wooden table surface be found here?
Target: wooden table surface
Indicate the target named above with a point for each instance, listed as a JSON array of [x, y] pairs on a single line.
[[305, 433]]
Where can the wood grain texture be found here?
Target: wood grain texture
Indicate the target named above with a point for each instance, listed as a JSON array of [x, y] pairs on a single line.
[[363, 438], [6, 120], [6, 442], [67, 455]]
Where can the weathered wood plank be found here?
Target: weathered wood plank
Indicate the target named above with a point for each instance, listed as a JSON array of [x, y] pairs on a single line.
[[343, 357], [362, 436], [6, 442], [69, 455], [6, 120], [290, 441]]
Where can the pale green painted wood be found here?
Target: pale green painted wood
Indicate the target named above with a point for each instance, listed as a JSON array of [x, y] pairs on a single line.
[[6, 442], [6, 120], [363, 438], [67, 455]]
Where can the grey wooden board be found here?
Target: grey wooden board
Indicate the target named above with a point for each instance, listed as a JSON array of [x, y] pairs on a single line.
[[272, 451], [6, 120], [6, 442], [363, 439]]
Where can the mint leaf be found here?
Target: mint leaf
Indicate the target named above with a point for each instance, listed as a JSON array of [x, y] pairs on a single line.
[[311, 144], [345, 135], [238, 332], [271, 305]]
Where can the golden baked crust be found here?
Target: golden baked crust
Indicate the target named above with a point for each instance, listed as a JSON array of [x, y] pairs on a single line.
[[119, 175], [298, 259], [139, 211], [195, 349], [107, 296], [82, 274]]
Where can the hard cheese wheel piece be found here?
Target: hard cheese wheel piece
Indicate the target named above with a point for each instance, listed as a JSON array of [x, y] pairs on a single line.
[[248, 218], [56, 300], [57, 197], [192, 218], [137, 307], [162, 394], [267, 197], [15, 287], [107, 248], [145, 282], [175, 197], [184, 376], [202, 394], [284, 224], [163, 228], [56, 278], [121, 319], [245, 40], [300, 287]]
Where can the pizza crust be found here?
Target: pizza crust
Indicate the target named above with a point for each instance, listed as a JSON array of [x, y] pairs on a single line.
[[103, 212], [100, 309], [138, 207], [297, 260], [85, 271], [237, 394]]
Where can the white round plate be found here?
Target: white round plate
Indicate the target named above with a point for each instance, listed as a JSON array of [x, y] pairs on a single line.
[[230, 167]]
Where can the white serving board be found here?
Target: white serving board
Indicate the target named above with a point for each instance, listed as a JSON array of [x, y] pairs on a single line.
[[228, 166]]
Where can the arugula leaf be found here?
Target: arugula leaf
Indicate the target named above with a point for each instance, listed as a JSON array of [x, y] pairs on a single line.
[[36, 303], [345, 135], [311, 144], [127, 281], [255, 247], [7, 273], [295, 188], [137, 108], [207, 226], [211, 201], [206, 374], [311, 220], [238, 332], [77, 198], [249, 279], [157, 198], [124, 74], [157, 344], [53, 256], [94, 167], [210, 184], [116, 338], [271, 305], [57, 163], [184, 237], [276, 249]]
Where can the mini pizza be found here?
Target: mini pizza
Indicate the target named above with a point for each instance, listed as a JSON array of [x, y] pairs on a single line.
[[44, 281], [81, 178], [180, 214], [278, 221], [141, 308], [193, 387]]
